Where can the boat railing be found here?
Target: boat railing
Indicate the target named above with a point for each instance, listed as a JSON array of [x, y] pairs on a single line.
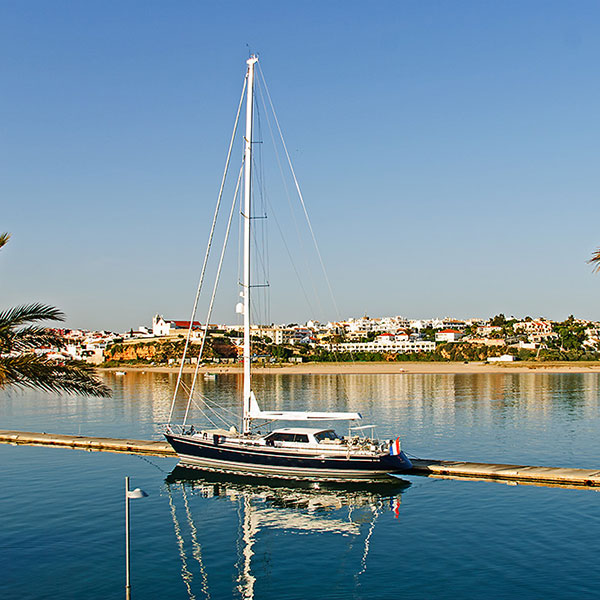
[[176, 429]]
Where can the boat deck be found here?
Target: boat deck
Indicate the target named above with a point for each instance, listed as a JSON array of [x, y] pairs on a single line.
[[515, 474]]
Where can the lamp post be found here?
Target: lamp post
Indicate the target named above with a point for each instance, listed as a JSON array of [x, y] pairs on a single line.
[[137, 493]]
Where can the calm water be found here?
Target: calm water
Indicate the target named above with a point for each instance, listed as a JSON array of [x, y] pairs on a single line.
[[61, 511]]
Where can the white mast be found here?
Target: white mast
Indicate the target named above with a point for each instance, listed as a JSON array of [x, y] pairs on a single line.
[[250, 408], [246, 214]]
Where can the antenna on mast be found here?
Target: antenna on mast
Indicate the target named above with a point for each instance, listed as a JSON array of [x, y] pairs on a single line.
[[250, 53]]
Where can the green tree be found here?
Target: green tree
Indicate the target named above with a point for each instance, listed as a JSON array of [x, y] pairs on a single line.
[[571, 335], [498, 320], [20, 367], [428, 334], [279, 351]]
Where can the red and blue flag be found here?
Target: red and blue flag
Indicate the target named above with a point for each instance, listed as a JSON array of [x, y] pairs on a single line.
[[395, 447]]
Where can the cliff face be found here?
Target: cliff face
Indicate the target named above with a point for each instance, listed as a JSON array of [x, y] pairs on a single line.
[[161, 351], [460, 351], [130, 352]]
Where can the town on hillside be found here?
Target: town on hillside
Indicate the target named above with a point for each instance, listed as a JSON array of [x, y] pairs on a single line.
[[397, 338]]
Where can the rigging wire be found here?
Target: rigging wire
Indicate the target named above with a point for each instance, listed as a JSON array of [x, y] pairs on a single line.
[[203, 413], [289, 253], [208, 247], [186, 388], [196, 547], [206, 401], [259, 175], [287, 194], [257, 190], [186, 574], [260, 228], [222, 419], [264, 226], [376, 512], [239, 257], [279, 228], [300, 196], [214, 292]]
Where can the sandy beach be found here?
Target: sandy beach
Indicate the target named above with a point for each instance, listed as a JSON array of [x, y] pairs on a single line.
[[383, 367]]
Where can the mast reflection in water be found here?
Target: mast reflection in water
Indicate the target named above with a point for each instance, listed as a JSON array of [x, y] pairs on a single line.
[[302, 518]]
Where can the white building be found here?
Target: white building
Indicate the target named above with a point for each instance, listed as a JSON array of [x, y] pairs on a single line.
[[160, 326], [503, 358], [539, 326], [448, 335], [419, 324], [387, 344], [538, 331], [488, 330]]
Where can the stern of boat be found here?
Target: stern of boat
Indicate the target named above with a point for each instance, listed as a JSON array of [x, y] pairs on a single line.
[[397, 462]]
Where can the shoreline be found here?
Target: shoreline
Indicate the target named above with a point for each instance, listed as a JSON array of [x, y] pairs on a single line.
[[376, 368]]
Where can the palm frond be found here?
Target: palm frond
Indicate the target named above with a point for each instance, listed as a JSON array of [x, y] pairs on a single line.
[[16, 331], [595, 260], [29, 338], [29, 313], [36, 372], [20, 367]]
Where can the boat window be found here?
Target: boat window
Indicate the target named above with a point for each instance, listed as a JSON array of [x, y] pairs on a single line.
[[281, 437], [326, 435], [301, 438]]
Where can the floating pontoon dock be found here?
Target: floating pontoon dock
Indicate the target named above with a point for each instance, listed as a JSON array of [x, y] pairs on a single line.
[[551, 476], [84, 442]]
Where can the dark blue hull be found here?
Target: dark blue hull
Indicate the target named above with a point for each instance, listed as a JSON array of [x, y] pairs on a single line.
[[283, 463]]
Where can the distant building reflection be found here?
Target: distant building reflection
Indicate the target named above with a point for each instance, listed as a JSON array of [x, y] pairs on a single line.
[[429, 411]]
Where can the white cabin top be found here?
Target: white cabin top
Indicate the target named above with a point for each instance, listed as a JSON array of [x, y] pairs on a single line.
[[307, 430]]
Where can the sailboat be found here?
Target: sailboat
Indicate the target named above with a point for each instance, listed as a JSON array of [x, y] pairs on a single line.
[[316, 453]]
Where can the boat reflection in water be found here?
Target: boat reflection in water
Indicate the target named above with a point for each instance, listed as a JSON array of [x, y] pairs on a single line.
[[346, 512]]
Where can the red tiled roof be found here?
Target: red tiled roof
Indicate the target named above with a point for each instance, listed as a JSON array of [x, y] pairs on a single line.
[[185, 324]]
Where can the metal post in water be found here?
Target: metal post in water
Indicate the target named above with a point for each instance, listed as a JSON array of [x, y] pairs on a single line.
[[137, 493], [127, 583]]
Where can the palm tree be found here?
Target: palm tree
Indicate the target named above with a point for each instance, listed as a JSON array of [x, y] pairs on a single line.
[[595, 260], [21, 367]]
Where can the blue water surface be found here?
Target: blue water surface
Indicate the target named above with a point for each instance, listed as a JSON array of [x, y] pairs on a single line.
[[62, 511]]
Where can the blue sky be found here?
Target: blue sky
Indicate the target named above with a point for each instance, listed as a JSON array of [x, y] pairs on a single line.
[[447, 152]]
